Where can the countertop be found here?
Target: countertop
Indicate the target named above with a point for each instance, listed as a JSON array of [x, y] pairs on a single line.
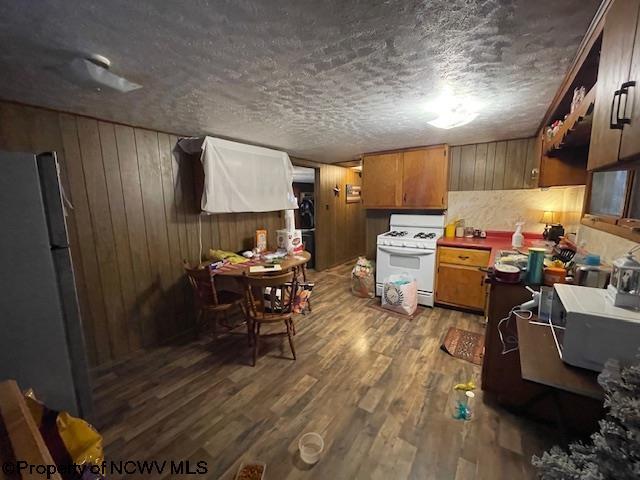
[[495, 241]]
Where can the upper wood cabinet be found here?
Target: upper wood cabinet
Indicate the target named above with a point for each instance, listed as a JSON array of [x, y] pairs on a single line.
[[424, 178], [630, 146], [416, 178], [382, 180], [612, 114]]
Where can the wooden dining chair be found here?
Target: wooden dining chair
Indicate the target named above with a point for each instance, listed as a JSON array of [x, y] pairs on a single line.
[[211, 304], [269, 299]]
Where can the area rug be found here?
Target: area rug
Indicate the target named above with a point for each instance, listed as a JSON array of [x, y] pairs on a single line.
[[375, 304], [463, 344]]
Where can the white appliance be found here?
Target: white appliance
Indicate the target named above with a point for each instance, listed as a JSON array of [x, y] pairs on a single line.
[[410, 247], [588, 329]]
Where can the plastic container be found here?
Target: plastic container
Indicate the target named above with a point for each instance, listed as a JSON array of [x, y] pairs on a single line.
[[450, 230], [535, 265], [311, 445], [555, 275], [592, 259]]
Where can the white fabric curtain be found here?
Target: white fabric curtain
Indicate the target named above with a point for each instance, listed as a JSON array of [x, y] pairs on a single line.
[[242, 178]]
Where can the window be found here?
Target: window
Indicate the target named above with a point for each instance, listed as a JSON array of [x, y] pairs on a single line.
[[607, 193], [613, 202], [634, 199]]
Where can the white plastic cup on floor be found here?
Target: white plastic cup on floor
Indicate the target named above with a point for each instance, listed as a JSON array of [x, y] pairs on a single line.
[[311, 446]]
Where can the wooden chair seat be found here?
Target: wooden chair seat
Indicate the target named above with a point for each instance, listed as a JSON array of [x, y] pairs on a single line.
[[271, 317], [208, 300], [269, 299], [226, 300]]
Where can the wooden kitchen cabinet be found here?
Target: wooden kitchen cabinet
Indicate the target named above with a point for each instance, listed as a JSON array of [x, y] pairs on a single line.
[[460, 282], [425, 177], [382, 180], [415, 178], [630, 145], [469, 257], [616, 55]]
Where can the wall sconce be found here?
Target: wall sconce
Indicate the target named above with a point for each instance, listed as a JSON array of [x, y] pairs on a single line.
[[336, 191]]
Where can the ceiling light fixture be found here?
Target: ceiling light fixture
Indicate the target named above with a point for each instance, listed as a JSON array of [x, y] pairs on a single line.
[[94, 71], [452, 111]]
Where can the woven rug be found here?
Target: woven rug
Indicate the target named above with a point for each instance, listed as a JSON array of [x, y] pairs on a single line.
[[465, 345]]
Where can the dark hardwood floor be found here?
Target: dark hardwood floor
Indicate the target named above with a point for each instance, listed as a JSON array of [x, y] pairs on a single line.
[[376, 386]]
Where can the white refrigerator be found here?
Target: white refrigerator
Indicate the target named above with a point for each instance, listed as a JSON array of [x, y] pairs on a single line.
[[41, 337]]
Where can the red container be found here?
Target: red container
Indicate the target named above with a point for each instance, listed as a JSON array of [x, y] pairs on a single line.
[[506, 273]]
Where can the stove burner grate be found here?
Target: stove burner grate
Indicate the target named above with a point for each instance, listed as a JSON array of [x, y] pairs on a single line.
[[425, 235]]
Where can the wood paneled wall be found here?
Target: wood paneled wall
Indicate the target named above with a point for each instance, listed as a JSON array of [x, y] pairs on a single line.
[[505, 165], [134, 220], [340, 231]]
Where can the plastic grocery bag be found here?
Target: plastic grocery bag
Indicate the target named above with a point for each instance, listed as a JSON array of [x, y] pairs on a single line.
[[70, 440], [400, 294], [363, 282]]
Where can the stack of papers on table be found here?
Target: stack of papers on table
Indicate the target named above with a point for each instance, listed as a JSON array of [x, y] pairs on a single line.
[[264, 268]]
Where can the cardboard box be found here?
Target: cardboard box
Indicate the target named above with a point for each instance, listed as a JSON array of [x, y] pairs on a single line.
[[290, 241], [261, 240]]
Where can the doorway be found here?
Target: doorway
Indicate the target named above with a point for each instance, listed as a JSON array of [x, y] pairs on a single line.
[[304, 189]]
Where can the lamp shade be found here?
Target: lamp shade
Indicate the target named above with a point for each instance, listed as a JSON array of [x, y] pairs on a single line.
[[547, 217]]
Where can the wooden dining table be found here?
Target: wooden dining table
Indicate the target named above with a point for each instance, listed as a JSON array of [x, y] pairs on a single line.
[[291, 261], [229, 277]]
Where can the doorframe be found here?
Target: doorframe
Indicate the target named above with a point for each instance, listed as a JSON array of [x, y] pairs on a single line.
[[300, 162]]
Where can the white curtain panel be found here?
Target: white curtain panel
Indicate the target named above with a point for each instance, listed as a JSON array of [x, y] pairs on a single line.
[[242, 178]]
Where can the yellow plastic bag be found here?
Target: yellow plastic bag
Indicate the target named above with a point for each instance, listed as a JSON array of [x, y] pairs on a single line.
[[217, 255], [81, 443]]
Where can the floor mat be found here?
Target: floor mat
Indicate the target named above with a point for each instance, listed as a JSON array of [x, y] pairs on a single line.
[[463, 344]]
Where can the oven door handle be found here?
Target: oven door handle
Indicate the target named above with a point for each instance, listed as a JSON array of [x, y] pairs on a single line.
[[408, 252]]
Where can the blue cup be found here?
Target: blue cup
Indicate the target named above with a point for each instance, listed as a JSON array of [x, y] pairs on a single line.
[[535, 266]]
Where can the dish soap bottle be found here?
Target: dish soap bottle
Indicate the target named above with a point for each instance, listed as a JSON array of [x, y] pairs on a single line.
[[517, 239]]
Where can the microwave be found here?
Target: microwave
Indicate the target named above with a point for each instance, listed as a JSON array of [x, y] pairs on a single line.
[[588, 329]]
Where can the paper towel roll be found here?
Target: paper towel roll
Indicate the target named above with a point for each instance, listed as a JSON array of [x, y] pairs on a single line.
[[289, 221]]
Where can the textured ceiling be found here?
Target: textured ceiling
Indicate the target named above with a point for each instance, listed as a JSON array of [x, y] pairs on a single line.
[[325, 80]]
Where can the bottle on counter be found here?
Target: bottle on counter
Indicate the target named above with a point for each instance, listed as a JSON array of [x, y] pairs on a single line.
[[517, 239], [450, 229]]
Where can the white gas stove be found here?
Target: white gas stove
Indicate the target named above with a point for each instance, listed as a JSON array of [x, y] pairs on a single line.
[[410, 247]]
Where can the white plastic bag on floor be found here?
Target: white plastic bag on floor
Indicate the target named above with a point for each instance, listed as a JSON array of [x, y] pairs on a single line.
[[400, 293]]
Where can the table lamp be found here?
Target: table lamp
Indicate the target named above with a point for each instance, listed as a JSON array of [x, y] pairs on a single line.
[[556, 231]]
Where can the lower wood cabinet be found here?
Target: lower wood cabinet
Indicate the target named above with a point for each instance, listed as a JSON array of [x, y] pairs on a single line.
[[460, 282]]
